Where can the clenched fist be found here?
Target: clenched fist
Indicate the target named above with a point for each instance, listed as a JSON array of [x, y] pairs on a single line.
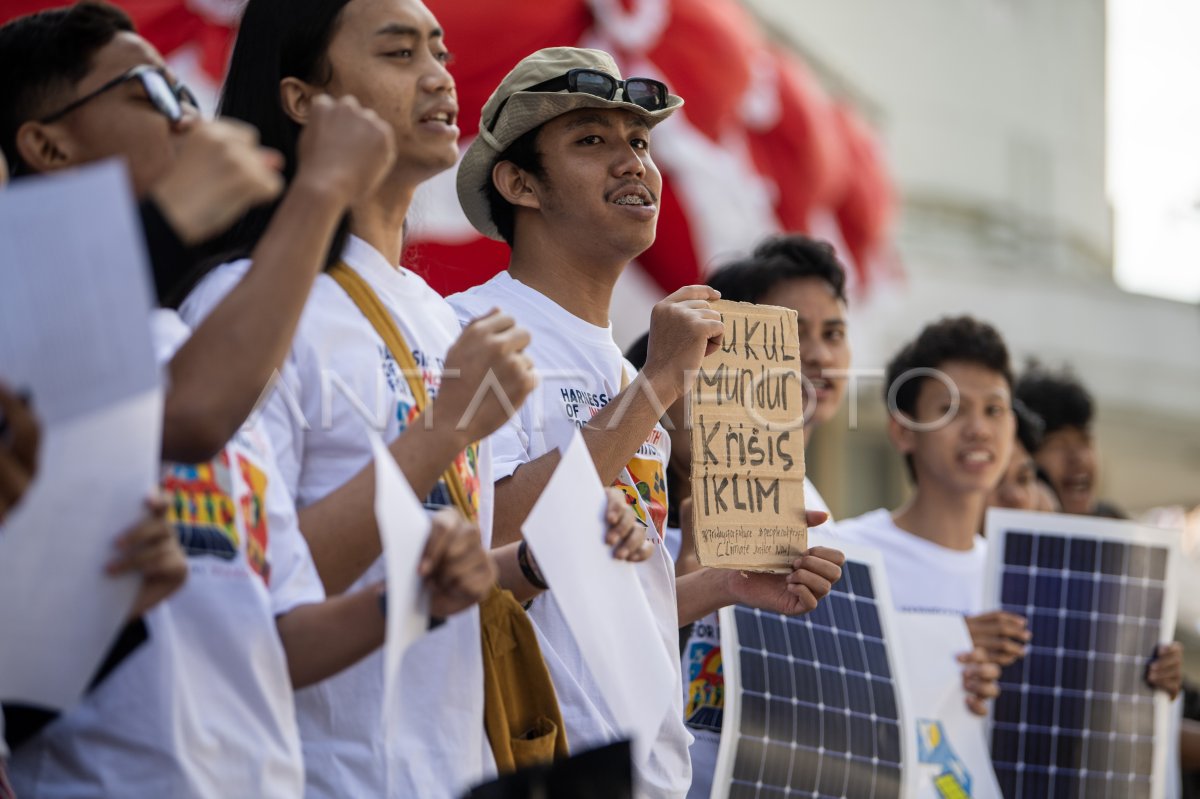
[[683, 329], [456, 568], [344, 149], [220, 172], [486, 378]]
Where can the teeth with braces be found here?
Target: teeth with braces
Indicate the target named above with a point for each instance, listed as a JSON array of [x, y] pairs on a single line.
[[630, 199]]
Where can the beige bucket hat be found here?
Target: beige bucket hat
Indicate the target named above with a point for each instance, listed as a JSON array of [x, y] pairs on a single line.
[[521, 111]]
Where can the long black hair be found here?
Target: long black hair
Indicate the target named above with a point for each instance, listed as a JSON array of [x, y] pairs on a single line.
[[276, 39]]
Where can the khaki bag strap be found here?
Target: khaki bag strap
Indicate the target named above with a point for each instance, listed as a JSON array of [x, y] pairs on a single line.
[[521, 715], [369, 303]]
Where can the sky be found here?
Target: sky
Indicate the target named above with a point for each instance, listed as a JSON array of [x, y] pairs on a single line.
[[1154, 145]]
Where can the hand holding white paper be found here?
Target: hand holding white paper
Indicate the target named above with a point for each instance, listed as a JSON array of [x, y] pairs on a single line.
[[952, 742], [601, 598], [403, 530]]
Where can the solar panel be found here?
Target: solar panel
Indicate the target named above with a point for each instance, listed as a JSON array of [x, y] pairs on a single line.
[[1075, 717], [812, 703]]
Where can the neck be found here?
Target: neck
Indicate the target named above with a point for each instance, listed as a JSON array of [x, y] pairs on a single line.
[[379, 218], [582, 284], [950, 519]]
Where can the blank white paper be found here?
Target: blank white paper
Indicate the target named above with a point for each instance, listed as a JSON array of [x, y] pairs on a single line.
[[403, 529], [75, 303], [75, 292], [601, 599]]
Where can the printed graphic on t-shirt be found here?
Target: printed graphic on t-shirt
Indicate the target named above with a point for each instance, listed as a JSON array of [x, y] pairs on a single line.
[[254, 514], [706, 686], [649, 480], [200, 506], [580, 405], [648, 493], [211, 514], [467, 462]]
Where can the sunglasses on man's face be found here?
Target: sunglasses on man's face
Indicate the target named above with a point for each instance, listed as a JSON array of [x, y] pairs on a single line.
[[167, 98], [646, 93]]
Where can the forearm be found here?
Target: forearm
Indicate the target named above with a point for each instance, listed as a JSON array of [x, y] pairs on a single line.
[[220, 372], [702, 592], [510, 576], [327, 637], [341, 529], [612, 437]]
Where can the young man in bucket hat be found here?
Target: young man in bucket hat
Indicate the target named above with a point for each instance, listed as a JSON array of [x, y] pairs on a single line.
[[561, 171]]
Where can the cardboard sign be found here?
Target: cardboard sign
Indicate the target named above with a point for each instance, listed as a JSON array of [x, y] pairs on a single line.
[[747, 420]]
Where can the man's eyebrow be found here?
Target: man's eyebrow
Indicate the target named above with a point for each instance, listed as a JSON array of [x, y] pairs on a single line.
[[399, 29], [589, 119]]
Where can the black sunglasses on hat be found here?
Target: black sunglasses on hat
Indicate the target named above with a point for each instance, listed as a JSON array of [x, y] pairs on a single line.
[[167, 98], [646, 93]]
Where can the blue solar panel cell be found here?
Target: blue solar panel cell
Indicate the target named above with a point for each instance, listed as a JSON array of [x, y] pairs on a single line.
[[1018, 550], [1081, 594], [1083, 555], [833, 776], [868, 621], [1112, 557], [1050, 553], [1015, 589], [858, 579], [877, 659]]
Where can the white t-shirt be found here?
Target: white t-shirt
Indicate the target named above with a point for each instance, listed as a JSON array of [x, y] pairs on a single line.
[[203, 708], [704, 676], [581, 369], [337, 375], [924, 576]]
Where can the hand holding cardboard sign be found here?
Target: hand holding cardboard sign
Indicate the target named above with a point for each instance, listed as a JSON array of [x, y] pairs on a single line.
[[810, 580]]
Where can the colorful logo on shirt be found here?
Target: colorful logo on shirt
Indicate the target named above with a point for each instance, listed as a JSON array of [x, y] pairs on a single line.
[[649, 489], [467, 462], [254, 512], [706, 687], [202, 508], [952, 780], [467, 467], [200, 505]]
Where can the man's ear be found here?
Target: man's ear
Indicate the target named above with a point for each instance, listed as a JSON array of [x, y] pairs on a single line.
[[45, 148], [903, 439], [296, 96], [515, 185]]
